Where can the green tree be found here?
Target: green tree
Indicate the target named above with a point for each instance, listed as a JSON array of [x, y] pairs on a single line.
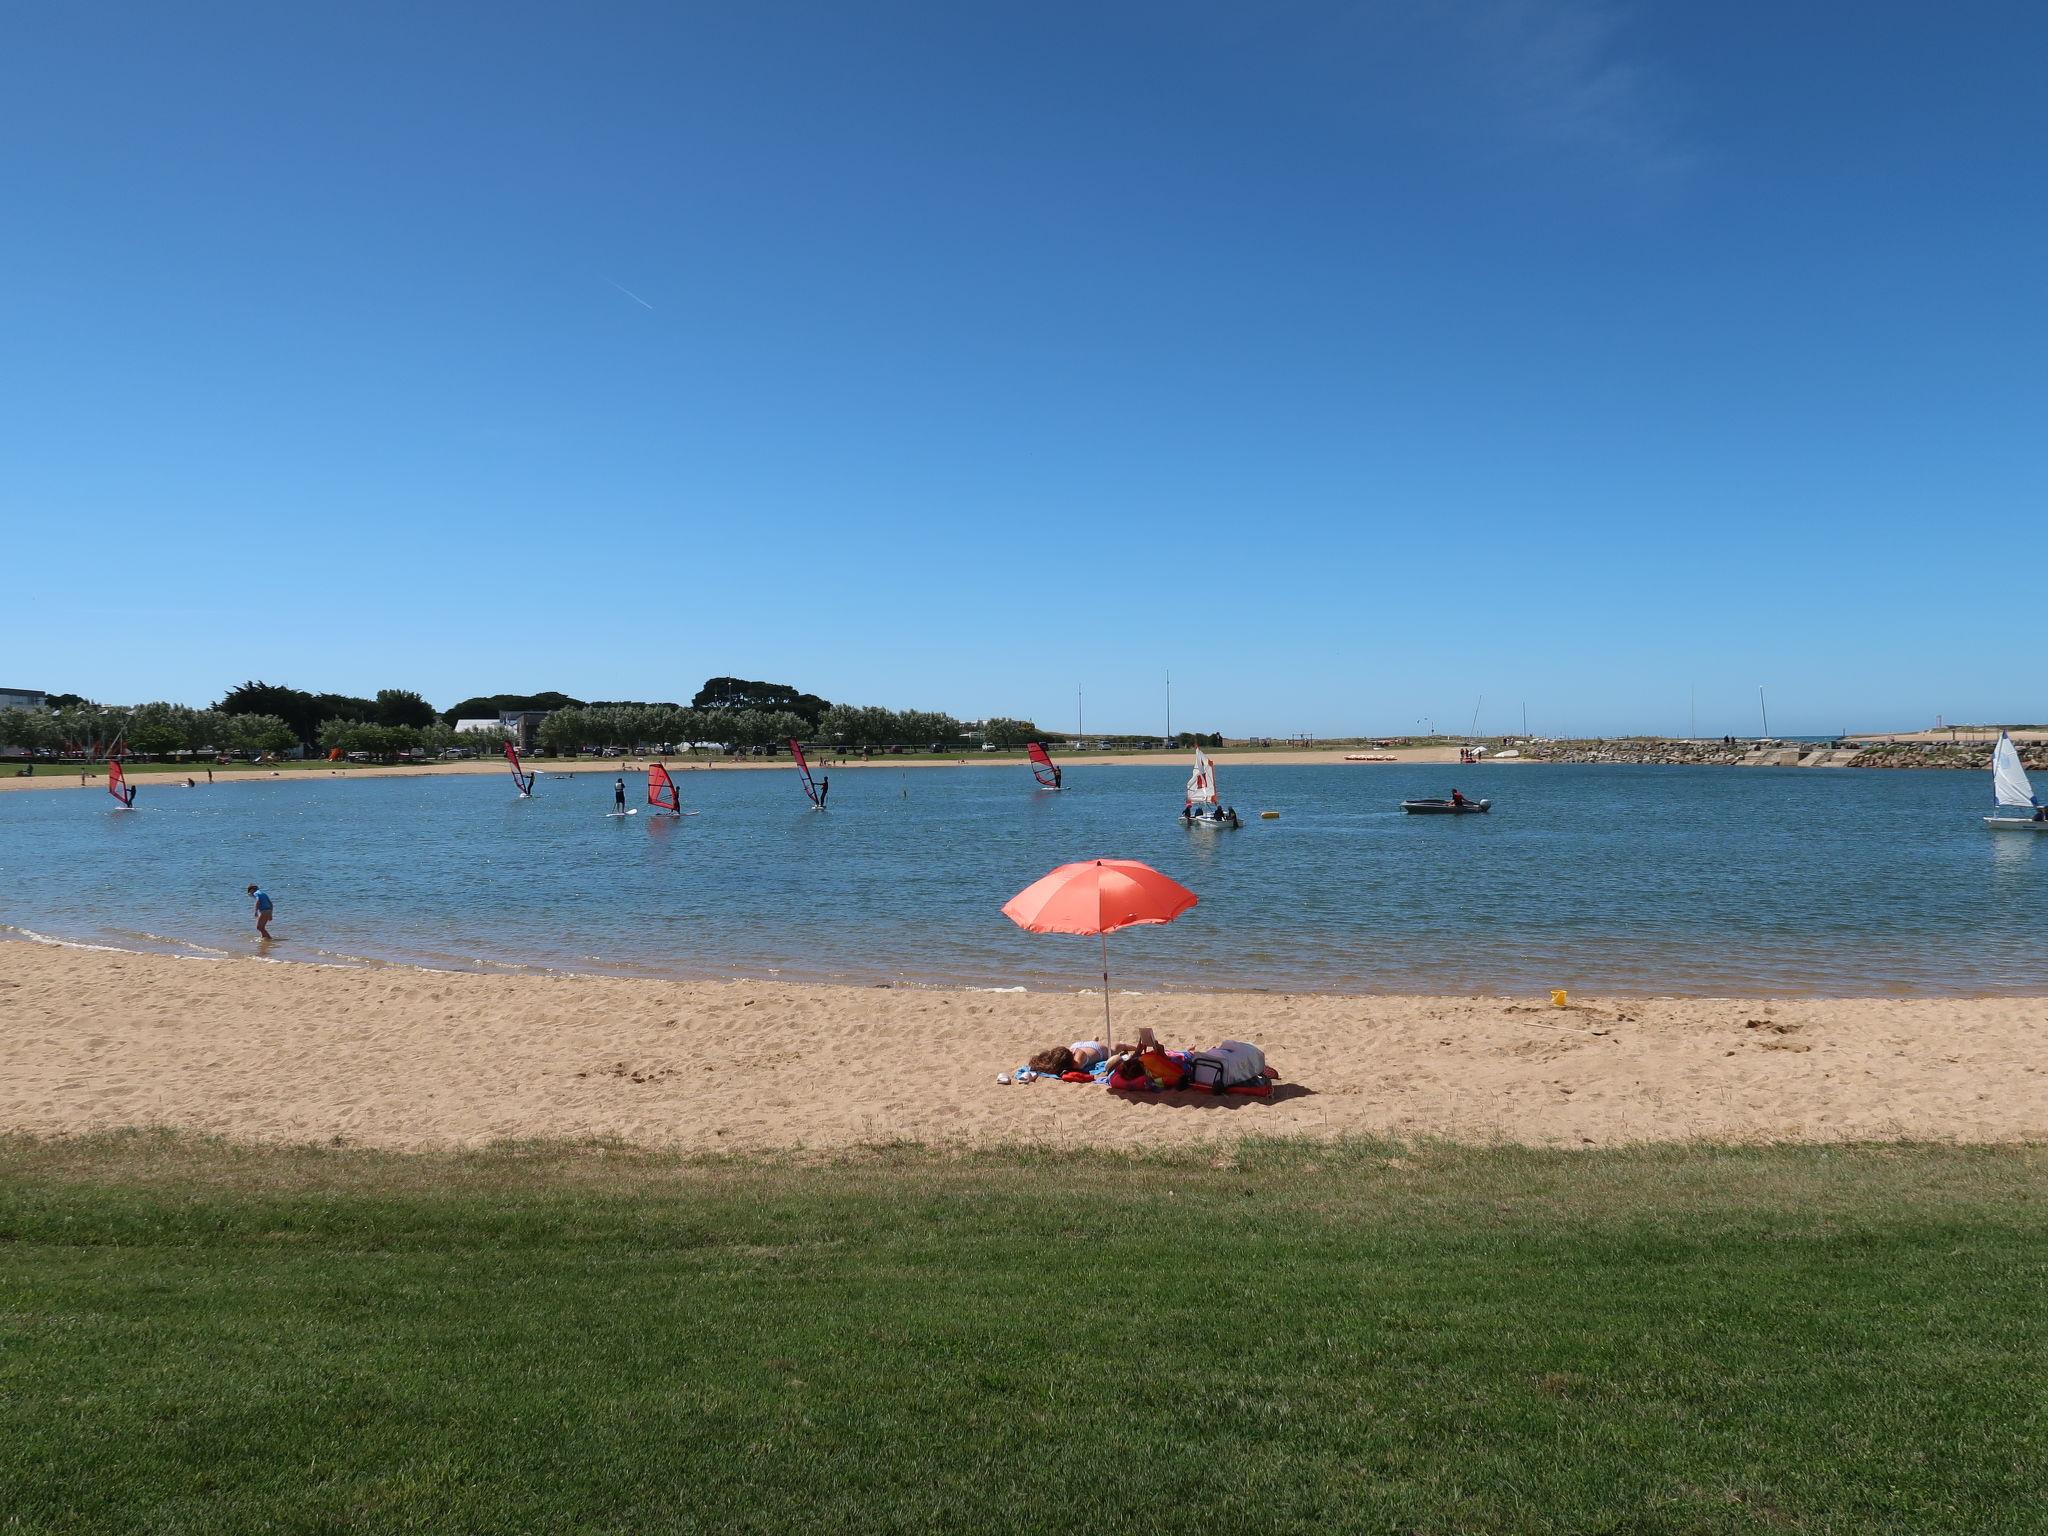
[[721, 694], [498, 703], [296, 709], [401, 706], [1001, 731], [33, 730], [927, 729], [344, 706]]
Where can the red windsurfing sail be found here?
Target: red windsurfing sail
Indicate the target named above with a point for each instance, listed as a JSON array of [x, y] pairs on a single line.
[[662, 791], [520, 776], [118, 785], [1042, 766], [810, 784]]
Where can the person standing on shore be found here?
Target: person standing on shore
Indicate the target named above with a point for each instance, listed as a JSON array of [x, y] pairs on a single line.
[[263, 910]]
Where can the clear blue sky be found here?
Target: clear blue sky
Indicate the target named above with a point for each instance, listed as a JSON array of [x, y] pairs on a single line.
[[1352, 361]]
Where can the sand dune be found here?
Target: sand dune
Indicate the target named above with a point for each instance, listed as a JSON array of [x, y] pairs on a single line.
[[91, 1040]]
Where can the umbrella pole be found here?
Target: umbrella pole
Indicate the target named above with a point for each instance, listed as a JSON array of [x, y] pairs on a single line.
[[1107, 1042]]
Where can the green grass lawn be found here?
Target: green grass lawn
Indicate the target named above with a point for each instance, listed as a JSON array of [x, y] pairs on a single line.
[[202, 1338]]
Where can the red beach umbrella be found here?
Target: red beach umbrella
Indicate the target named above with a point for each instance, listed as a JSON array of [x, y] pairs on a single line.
[[1096, 896]]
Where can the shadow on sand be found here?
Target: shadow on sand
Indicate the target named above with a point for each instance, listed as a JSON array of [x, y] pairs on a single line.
[[1201, 1098]]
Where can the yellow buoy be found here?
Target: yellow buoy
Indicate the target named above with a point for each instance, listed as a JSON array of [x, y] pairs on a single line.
[[1269, 815]]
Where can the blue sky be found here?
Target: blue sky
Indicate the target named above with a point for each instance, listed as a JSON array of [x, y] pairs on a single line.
[[1352, 361]]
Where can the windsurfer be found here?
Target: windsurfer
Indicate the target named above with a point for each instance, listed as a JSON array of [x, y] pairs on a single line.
[[824, 789]]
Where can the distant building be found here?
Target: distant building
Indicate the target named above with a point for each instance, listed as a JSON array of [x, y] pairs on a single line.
[[523, 726], [22, 698]]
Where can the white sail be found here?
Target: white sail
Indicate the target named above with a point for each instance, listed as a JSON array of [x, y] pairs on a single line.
[[1202, 782], [2008, 779]]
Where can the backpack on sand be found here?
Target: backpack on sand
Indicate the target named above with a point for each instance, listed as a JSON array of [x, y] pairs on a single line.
[[1231, 1063]]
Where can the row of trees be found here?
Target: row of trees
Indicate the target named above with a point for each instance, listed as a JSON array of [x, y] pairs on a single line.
[[148, 730], [639, 726], [306, 712], [383, 741]]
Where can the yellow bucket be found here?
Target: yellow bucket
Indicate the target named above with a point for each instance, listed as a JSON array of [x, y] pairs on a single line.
[[1557, 999]]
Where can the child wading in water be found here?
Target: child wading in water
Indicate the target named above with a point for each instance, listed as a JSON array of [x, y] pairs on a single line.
[[263, 910]]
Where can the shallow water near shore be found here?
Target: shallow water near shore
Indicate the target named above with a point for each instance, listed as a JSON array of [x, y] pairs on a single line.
[[1610, 879]]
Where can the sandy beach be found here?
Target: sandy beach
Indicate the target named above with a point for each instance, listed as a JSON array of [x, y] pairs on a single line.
[[399, 1058], [65, 776]]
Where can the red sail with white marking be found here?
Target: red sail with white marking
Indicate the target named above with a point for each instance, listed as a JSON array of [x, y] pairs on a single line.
[[1042, 767], [796, 752], [1202, 782], [662, 791], [520, 776]]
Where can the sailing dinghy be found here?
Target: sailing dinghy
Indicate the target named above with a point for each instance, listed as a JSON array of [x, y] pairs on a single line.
[[1204, 809], [2017, 809]]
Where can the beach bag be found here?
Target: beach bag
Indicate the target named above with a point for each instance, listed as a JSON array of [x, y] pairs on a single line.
[[1226, 1066], [1161, 1068]]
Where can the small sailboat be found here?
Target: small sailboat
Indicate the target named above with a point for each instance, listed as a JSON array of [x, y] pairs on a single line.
[[1204, 808], [1043, 768], [2017, 809]]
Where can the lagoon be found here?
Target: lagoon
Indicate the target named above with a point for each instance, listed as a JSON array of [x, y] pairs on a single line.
[[1699, 881]]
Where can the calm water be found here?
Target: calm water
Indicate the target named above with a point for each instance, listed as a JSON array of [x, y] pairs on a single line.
[[1607, 878]]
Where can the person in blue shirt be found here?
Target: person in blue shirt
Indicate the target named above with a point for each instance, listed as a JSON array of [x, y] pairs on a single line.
[[263, 910]]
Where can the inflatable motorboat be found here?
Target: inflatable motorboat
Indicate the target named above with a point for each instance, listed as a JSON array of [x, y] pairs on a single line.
[[1446, 807]]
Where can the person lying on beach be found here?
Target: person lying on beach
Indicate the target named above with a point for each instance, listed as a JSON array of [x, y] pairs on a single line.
[[1081, 1056]]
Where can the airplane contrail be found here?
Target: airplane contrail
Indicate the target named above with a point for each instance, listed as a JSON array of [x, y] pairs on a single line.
[[629, 293]]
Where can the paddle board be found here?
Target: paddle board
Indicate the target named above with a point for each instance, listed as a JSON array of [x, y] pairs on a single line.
[[615, 815]]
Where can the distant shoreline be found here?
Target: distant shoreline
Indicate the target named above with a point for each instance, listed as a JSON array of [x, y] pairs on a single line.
[[1915, 750], [61, 775]]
